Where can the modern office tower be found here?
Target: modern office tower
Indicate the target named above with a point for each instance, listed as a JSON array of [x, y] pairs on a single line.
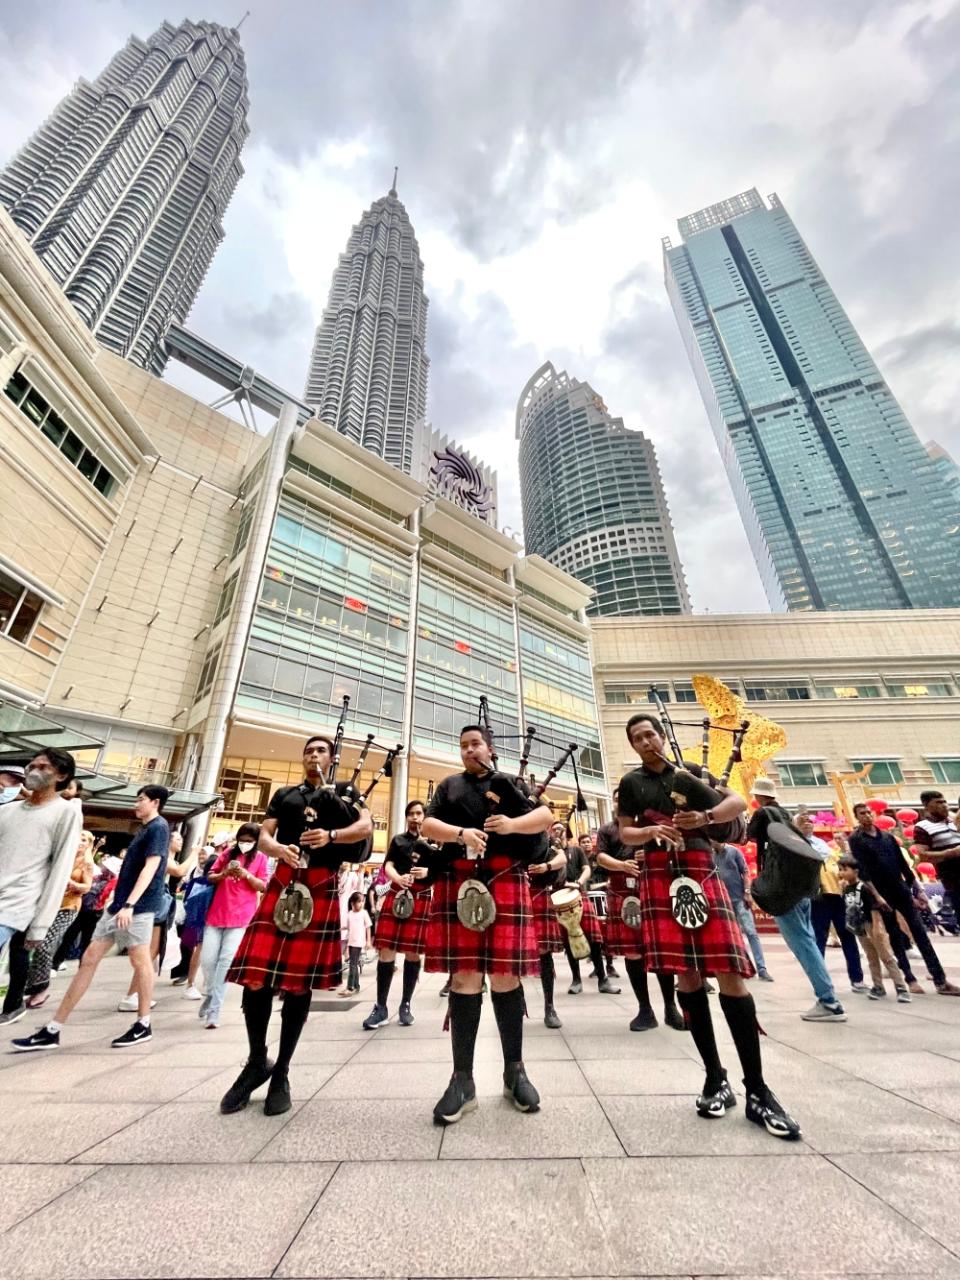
[[593, 502], [836, 491], [122, 191], [945, 468], [368, 368]]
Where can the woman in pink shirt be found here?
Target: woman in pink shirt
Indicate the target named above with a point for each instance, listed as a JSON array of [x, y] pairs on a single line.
[[239, 875]]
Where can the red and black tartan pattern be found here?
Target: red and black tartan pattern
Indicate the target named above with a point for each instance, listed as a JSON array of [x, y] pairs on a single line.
[[548, 929], [508, 946], [620, 938], [716, 947], [307, 960], [590, 922], [409, 937]]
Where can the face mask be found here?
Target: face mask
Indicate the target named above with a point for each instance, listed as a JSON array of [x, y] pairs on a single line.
[[34, 778], [245, 846], [9, 793]]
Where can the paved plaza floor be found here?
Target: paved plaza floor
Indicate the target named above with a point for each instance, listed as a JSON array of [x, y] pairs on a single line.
[[116, 1163]]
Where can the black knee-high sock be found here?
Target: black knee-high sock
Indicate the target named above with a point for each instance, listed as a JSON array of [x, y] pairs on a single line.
[[464, 1022], [384, 978], [508, 1008], [548, 973], [411, 976], [571, 959], [257, 1007], [596, 955], [296, 1006], [741, 1015], [667, 989], [696, 1006], [638, 980]]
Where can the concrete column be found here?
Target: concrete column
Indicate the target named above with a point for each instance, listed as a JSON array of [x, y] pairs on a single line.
[[401, 769]]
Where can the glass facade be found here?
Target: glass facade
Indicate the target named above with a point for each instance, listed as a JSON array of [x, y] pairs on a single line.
[[593, 502], [838, 495], [333, 619], [558, 699]]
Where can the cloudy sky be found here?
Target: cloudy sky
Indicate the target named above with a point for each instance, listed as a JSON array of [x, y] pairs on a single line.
[[545, 147]]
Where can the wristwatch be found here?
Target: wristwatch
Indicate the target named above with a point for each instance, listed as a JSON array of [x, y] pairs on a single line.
[[460, 840], [332, 835], [708, 814]]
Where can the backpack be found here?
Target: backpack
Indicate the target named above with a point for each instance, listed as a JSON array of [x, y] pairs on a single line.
[[856, 917]]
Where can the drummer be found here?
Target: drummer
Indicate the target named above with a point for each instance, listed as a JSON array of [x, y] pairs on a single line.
[[405, 867], [578, 876], [673, 844], [546, 876]]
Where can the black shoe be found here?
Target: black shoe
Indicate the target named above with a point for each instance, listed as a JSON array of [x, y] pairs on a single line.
[[607, 987], [674, 1018], [8, 1019], [518, 1088], [406, 1016], [137, 1034], [764, 1108], [550, 1018], [764, 975], [575, 988], [445, 990], [593, 974], [715, 1102], [460, 1097], [645, 1020], [179, 980], [278, 1096], [41, 1039], [611, 971], [377, 1017], [253, 1075]]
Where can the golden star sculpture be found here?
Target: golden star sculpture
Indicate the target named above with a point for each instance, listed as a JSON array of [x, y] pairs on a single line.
[[727, 710]]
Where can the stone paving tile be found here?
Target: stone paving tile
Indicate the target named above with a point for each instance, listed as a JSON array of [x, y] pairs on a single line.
[[859, 1116], [146, 1084], [898, 1069], [622, 1076], [429, 1079], [305, 1081], [455, 1218], [158, 1236], [356, 1129], [26, 1188], [923, 1186], [563, 1128], [637, 1046], [945, 1102], [661, 1229], [321, 1053], [536, 1049], [179, 1132], [56, 1071], [36, 1131], [669, 1126]]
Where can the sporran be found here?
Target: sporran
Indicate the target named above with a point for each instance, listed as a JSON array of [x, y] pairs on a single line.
[[476, 909], [403, 905], [688, 903], [630, 911], [294, 909]]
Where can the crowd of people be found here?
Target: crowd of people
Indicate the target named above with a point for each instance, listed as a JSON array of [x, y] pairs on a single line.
[[469, 889]]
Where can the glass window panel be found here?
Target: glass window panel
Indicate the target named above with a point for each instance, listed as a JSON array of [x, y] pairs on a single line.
[[259, 669], [318, 685], [396, 639], [302, 604], [335, 552], [946, 770], [27, 615], [286, 530], [329, 613], [54, 428], [376, 631], [344, 686], [87, 466], [72, 446], [358, 564], [34, 406], [275, 595], [423, 713], [883, 773], [10, 593], [368, 698], [312, 542], [392, 704]]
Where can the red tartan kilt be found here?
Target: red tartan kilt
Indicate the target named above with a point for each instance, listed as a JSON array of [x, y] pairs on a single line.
[[716, 947], [508, 946], [409, 937], [590, 922], [301, 961], [621, 939], [548, 929]]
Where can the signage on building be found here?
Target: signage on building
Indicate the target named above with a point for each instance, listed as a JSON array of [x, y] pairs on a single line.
[[358, 606], [461, 646]]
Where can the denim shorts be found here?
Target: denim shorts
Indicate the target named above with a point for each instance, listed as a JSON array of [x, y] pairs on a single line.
[[138, 935]]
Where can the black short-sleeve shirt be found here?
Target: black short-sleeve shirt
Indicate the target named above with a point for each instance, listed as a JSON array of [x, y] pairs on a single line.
[[461, 800], [289, 807], [644, 794], [402, 849]]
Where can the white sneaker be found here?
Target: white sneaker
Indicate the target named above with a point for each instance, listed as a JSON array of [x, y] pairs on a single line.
[[825, 1013], [192, 993], [131, 1004]]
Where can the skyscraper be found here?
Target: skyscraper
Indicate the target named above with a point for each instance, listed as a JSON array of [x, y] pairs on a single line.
[[368, 368], [593, 502], [836, 491], [122, 191]]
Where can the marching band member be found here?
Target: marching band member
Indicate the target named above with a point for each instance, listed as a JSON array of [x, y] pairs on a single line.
[[482, 879], [292, 945], [545, 876], [402, 922], [688, 925], [623, 939], [578, 873]]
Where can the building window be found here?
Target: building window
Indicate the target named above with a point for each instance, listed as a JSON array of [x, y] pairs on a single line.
[[34, 406], [19, 609], [758, 691], [207, 672], [682, 693], [243, 530], [801, 773], [883, 773], [926, 689], [225, 603], [946, 769], [844, 691]]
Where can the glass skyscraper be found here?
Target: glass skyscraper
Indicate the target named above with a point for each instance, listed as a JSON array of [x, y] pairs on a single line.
[[838, 495], [122, 191], [593, 502]]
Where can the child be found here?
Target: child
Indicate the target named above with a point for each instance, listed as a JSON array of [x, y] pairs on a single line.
[[359, 926], [865, 921]]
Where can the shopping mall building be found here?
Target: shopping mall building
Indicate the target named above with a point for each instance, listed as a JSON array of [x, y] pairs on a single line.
[[190, 598]]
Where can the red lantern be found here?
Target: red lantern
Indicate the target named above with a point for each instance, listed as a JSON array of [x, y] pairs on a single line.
[[884, 822], [908, 832], [926, 869], [877, 806], [907, 816]]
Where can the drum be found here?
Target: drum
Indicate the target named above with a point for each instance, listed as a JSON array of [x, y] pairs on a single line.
[[598, 898], [569, 908], [791, 871]]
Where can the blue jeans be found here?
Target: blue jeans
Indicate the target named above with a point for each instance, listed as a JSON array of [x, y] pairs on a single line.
[[217, 950], [797, 931], [829, 910], [748, 927], [6, 933]]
